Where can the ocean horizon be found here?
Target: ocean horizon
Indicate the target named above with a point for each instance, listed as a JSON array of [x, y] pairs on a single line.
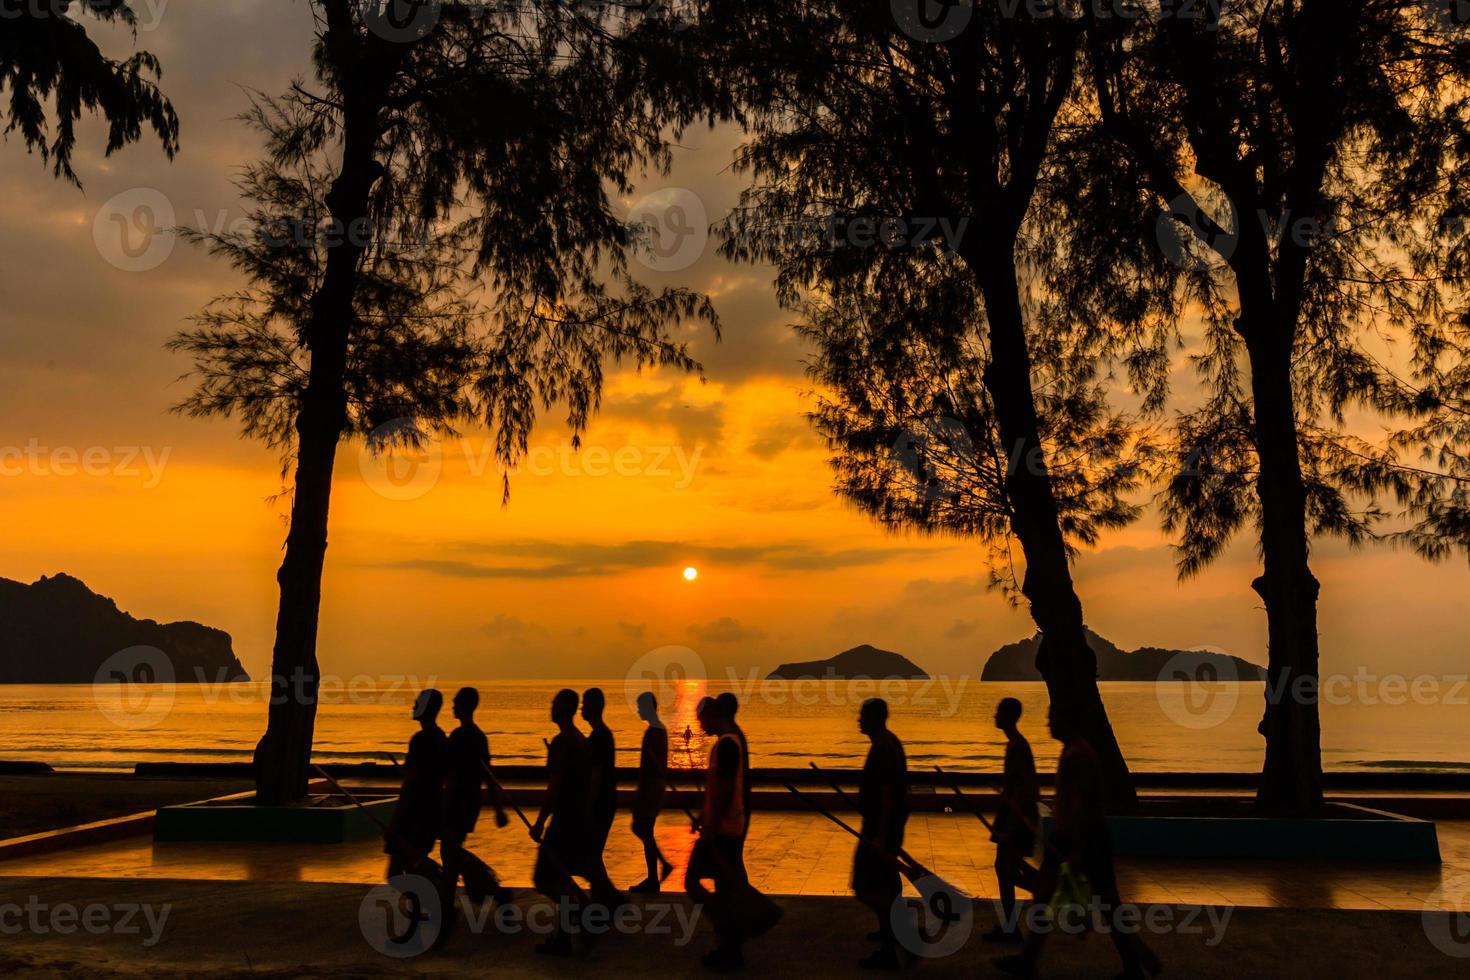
[[1162, 727]]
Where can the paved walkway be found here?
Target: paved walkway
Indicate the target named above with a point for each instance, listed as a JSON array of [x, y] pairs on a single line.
[[794, 853]]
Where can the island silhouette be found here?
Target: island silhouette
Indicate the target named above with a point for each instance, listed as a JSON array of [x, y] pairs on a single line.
[[58, 631], [865, 661], [1017, 662]]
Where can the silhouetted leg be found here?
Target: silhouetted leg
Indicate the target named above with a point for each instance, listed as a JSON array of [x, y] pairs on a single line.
[[1138, 960], [1026, 963], [658, 866], [876, 884], [1008, 865], [551, 879]]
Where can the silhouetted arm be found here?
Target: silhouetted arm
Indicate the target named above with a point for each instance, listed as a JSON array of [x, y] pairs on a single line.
[[555, 777], [501, 819]]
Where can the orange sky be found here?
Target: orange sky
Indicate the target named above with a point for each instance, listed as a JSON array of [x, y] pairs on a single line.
[[580, 574]]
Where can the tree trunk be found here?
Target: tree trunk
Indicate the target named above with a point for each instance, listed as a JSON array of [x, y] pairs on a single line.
[[1066, 661], [283, 755], [1291, 781]]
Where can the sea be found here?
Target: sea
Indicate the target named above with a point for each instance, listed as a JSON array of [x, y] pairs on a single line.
[[1162, 727]]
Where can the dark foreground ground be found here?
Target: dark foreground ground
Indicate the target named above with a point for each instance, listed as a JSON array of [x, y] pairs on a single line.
[[31, 804], [256, 929]]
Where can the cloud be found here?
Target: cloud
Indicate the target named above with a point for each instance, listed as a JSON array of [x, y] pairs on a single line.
[[927, 590], [545, 559], [694, 424], [726, 629], [962, 629], [509, 628]]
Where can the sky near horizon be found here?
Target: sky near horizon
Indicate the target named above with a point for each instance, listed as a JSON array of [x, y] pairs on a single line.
[[582, 572]]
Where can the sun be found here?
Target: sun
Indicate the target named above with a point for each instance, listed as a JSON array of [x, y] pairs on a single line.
[[691, 573]]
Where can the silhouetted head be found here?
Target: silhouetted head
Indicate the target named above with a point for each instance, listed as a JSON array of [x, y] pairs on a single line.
[[466, 700], [1007, 713], [426, 706], [648, 706], [711, 716], [564, 706], [593, 704], [729, 705], [873, 716]]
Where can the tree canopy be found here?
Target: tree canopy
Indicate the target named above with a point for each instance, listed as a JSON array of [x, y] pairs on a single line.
[[46, 58]]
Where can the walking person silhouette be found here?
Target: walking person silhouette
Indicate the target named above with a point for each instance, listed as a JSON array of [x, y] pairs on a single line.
[[730, 706], [883, 802], [418, 818], [602, 794], [1016, 819], [1080, 845], [562, 828], [737, 911], [468, 771], [653, 767]]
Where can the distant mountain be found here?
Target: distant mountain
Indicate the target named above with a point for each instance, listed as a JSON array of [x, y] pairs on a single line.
[[864, 661], [58, 631], [1017, 662]]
